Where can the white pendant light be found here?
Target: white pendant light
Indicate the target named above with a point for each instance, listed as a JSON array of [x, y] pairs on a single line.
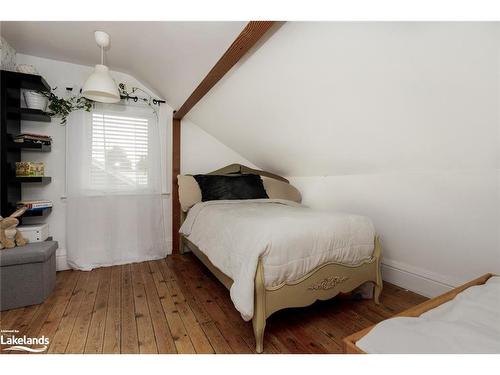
[[100, 86]]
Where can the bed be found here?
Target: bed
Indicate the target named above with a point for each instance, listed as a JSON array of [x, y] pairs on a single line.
[[461, 321], [282, 254]]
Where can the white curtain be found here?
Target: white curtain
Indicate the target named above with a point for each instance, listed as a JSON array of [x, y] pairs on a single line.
[[113, 184]]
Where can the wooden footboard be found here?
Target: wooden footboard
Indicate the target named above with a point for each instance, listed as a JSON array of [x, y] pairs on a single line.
[[322, 283], [350, 341]]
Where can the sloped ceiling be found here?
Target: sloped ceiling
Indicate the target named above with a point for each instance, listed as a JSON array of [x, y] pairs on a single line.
[[359, 98], [169, 57]]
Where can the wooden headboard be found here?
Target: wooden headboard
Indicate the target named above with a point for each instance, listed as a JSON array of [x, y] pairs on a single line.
[[242, 169]]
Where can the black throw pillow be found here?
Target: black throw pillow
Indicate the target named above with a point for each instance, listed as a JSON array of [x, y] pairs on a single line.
[[216, 187]]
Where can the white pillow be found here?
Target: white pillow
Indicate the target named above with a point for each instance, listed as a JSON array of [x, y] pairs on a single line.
[[276, 189], [189, 192]]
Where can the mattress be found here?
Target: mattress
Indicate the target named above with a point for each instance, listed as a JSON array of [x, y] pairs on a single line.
[[291, 239], [469, 323]]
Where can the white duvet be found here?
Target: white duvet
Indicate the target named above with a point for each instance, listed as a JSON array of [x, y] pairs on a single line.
[[291, 239], [470, 323]]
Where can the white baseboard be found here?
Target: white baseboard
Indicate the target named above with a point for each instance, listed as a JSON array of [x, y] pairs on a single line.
[[61, 263], [419, 281]]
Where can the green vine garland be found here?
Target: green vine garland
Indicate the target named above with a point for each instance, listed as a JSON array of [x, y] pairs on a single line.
[[149, 100], [60, 107]]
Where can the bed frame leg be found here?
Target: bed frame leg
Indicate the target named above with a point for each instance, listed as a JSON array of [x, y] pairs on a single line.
[[259, 325], [378, 281], [259, 311], [183, 249], [376, 293]]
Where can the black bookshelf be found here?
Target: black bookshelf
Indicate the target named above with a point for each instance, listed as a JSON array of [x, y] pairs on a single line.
[[29, 114], [28, 81], [25, 146], [11, 115], [30, 180]]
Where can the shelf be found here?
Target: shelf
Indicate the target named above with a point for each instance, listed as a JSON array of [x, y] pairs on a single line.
[[28, 81], [33, 82], [12, 86], [28, 114], [44, 212], [37, 180], [11, 145]]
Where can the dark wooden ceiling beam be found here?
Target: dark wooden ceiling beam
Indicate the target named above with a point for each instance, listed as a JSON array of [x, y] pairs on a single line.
[[250, 35]]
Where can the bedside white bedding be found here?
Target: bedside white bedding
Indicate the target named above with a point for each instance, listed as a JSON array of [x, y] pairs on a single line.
[[291, 239], [469, 323]]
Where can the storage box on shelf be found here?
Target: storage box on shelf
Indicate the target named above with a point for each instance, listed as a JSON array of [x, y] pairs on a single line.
[[30, 169], [35, 232]]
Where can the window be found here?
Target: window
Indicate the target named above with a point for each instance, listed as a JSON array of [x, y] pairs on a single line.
[[120, 148]]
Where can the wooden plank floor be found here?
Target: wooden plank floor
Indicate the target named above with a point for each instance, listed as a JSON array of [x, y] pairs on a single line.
[[175, 305]]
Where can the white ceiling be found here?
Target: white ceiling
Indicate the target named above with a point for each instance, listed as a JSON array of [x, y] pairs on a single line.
[[169, 57], [336, 98]]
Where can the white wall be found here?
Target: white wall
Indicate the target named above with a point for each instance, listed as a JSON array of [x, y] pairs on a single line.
[[438, 229], [398, 121], [61, 75], [202, 153]]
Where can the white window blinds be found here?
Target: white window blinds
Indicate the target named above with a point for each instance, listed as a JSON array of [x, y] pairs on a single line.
[[120, 151]]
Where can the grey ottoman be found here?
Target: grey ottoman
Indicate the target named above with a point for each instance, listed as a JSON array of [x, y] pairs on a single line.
[[27, 274]]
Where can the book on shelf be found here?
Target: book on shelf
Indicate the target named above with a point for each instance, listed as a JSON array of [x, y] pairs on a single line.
[[34, 204], [31, 142], [34, 135], [38, 209], [32, 138]]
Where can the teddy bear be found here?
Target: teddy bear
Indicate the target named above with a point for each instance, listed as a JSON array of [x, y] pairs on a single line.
[[10, 236]]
